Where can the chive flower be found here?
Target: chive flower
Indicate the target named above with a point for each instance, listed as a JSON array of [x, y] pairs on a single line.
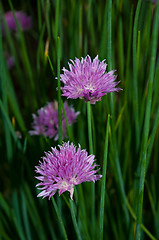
[[88, 79], [23, 20], [45, 123], [64, 168]]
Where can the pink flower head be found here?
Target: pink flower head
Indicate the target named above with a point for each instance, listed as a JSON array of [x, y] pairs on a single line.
[[23, 20], [63, 169], [88, 79], [46, 120]]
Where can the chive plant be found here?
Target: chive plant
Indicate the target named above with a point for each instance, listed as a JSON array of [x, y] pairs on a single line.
[[87, 71]]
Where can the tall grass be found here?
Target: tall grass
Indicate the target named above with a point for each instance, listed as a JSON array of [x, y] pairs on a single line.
[[121, 130]]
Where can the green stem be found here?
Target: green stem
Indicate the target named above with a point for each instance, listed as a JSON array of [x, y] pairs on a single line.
[[74, 220], [92, 184], [136, 109], [4, 97], [142, 226], [59, 92], [70, 135], [143, 155], [89, 128], [109, 48], [102, 201], [60, 219]]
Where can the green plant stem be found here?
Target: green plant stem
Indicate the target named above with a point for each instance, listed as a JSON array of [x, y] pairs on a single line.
[[152, 138], [60, 219], [142, 226], [9, 125], [135, 88], [109, 47], [74, 220], [89, 128], [70, 135], [103, 183], [143, 155], [3, 90], [91, 152], [118, 172], [59, 92]]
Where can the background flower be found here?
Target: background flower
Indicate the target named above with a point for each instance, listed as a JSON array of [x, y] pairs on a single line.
[[23, 20], [88, 79], [64, 168], [46, 120]]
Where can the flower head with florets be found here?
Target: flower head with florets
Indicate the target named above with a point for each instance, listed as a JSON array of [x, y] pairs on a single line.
[[88, 80], [64, 168], [46, 120]]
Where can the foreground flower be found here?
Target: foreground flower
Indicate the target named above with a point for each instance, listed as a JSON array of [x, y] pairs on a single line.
[[64, 168], [46, 121], [23, 20], [88, 79]]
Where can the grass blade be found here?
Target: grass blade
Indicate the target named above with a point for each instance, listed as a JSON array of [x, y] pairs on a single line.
[[103, 183]]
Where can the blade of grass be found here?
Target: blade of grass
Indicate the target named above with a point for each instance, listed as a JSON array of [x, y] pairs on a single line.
[[59, 92], [25, 216], [103, 183], [92, 184], [60, 219], [69, 132], [33, 212], [57, 19], [9, 125], [74, 220], [135, 86], [152, 138], [119, 178], [3, 89], [142, 226], [143, 156], [103, 42], [83, 213]]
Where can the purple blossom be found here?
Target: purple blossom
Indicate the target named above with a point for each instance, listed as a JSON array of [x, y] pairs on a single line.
[[46, 120], [23, 20], [63, 169], [88, 80]]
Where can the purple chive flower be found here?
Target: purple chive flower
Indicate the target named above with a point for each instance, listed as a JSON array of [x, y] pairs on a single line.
[[88, 79], [23, 20], [63, 169], [46, 120]]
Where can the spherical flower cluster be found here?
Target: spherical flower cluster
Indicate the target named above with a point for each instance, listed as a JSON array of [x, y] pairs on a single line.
[[63, 169], [46, 120], [23, 20], [88, 80]]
